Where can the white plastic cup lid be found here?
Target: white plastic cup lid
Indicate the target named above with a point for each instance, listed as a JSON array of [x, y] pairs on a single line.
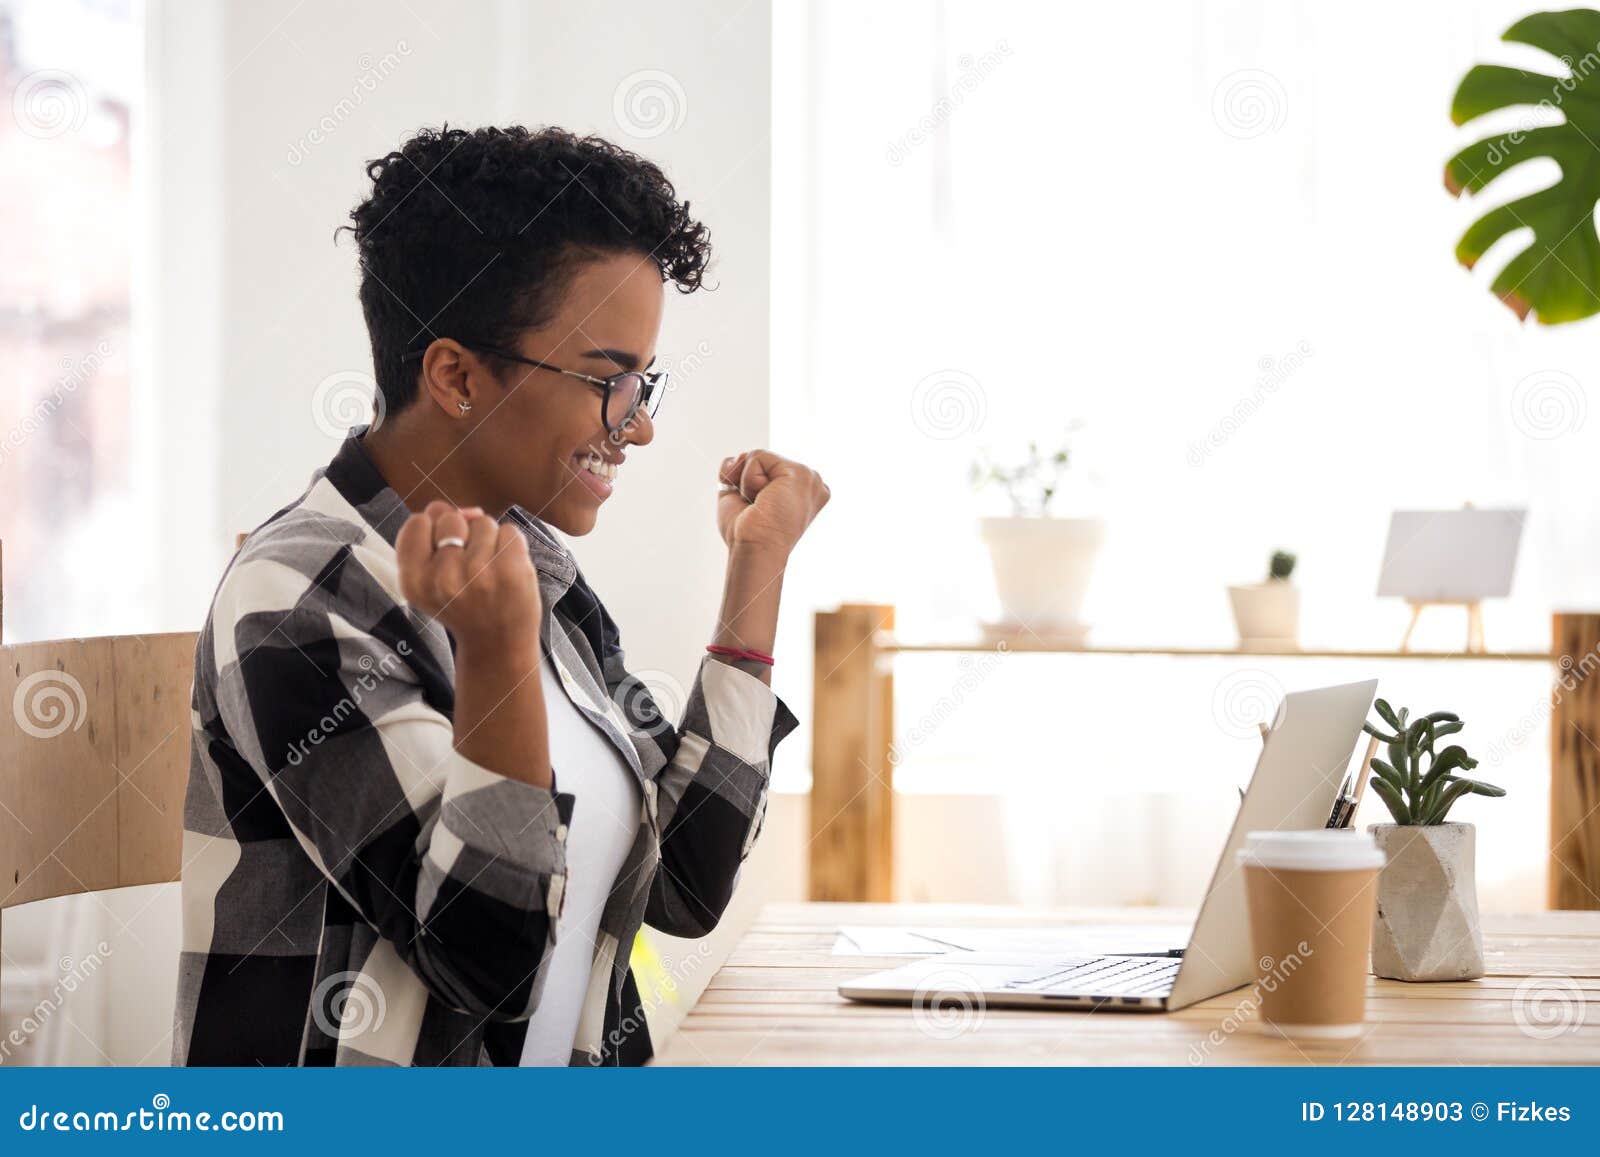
[[1326, 850]]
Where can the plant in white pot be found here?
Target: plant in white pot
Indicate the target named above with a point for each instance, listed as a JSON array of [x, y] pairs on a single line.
[[1267, 614], [1426, 927], [1042, 562]]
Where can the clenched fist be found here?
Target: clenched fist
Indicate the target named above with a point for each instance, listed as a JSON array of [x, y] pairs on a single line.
[[471, 573], [767, 501]]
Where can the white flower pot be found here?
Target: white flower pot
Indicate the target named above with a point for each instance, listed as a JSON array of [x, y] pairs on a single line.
[[1267, 615], [1426, 927], [1042, 568]]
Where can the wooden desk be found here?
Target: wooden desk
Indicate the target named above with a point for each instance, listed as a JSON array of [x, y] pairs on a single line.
[[774, 1003]]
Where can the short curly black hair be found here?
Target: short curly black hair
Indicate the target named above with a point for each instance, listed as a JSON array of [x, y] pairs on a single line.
[[473, 233]]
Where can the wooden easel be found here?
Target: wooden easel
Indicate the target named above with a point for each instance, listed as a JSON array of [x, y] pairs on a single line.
[[1474, 615], [1474, 623]]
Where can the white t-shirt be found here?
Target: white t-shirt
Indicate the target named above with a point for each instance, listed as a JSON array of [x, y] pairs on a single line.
[[605, 821]]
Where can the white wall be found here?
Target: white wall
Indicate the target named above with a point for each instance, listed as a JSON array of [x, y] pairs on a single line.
[[299, 124]]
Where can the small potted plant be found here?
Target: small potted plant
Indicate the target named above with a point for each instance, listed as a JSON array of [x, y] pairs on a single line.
[[1426, 926], [1267, 614], [1042, 562]]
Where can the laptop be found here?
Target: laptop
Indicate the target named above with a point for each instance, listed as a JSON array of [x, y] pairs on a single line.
[[1296, 785]]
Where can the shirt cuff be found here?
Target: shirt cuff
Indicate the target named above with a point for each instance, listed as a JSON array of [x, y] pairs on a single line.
[[741, 714], [519, 828]]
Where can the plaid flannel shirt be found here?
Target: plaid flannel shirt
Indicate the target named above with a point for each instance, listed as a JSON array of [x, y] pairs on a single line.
[[357, 892]]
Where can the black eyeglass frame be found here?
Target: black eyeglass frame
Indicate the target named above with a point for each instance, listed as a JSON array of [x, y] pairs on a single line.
[[652, 389]]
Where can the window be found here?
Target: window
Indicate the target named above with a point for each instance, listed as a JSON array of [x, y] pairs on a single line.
[[74, 537], [72, 75], [1206, 231]]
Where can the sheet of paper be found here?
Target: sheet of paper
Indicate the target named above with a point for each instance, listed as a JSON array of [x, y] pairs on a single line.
[[861, 940], [1074, 940]]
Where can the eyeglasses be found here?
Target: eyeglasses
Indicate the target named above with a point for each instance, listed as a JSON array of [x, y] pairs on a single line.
[[626, 393]]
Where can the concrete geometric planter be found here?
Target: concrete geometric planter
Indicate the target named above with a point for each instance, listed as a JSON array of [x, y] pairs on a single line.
[[1426, 927]]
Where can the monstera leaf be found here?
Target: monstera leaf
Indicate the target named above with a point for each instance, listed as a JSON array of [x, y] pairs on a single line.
[[1557, 277]]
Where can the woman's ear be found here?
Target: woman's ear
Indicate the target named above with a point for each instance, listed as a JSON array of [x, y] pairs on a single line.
[[453, 377]]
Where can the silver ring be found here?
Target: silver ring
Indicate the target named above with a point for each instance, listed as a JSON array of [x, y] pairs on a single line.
[[451, 541]]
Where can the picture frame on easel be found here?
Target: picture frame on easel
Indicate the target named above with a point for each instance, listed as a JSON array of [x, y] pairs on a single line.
[[1451, 558]]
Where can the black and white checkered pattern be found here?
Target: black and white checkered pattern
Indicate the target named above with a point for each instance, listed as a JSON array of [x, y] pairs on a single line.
[[355, 891]]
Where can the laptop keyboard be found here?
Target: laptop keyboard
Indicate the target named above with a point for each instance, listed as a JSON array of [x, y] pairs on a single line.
[[1103, 976]]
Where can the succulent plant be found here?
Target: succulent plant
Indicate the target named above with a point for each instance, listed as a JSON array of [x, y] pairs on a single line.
[[1031, 483], [1417, 795], [1281, 566]]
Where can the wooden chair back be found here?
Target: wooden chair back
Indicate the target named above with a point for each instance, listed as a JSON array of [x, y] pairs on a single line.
[[93, 764]]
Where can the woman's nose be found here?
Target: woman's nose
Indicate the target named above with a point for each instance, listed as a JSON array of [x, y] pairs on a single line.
[[639, 430]]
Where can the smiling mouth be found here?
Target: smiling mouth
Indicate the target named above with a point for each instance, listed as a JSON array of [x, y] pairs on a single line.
[[596, 465], [596, 474]]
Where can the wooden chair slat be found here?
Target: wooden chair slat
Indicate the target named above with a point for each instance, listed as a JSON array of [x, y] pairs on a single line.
[[93, 773]]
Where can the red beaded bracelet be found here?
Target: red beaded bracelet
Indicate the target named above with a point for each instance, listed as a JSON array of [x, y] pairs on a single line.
[[741, 653]]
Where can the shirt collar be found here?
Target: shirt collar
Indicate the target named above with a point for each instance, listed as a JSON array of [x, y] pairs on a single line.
[[356, 477]]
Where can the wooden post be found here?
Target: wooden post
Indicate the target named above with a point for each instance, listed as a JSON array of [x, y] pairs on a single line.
[[852, 777], [1575, 762]]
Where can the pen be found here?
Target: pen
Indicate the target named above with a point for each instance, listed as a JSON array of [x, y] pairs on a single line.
[[1344, 808], [1340, 816]]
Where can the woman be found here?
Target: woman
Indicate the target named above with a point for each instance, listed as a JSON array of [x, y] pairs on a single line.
[[429, 807]]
